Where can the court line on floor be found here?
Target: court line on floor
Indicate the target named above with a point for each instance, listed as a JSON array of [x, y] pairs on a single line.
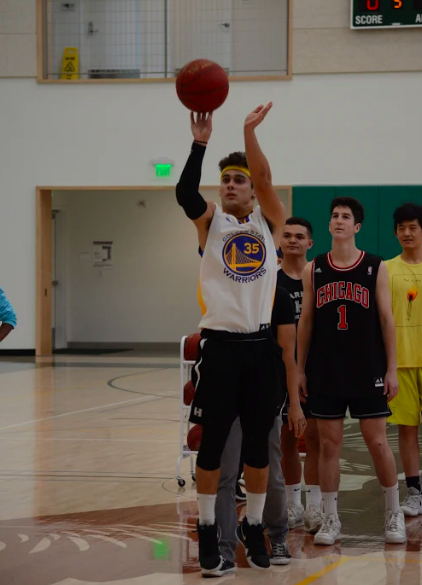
[[322, 572], [23, 396], [105, 365], [112, 385], [12, 437], [148, 398]]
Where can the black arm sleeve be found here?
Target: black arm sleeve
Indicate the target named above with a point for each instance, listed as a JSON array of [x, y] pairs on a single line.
[[187, 193], [283, 308]]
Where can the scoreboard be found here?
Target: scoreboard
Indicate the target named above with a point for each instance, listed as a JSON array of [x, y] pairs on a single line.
[[385, 13]]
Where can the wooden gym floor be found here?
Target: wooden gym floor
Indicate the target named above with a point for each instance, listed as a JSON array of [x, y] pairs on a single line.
[[88, 495]]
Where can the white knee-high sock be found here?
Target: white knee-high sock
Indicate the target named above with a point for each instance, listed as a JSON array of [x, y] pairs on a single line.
[[206, 506], [255, 507]]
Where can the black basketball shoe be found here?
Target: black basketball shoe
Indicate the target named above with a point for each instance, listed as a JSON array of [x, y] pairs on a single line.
[[252, 538], [209, 553]]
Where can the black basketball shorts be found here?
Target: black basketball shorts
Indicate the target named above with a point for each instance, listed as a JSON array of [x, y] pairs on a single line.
[[373, 405], [238, 375]]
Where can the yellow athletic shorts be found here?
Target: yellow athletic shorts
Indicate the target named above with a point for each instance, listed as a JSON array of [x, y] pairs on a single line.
[[407, 405]]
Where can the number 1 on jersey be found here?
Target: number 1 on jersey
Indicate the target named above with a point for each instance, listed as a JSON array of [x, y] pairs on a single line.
[[342, 324]]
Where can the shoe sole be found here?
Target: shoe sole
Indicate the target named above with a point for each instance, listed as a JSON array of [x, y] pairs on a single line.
[[280, 562], [409, 513], [250, 563], [396, 539], [218, 573], [402, 540], [330, 543], [240, 499], [210, 571]]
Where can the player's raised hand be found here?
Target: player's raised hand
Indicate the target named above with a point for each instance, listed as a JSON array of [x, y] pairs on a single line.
[[255, 118], [201, 126], [391, 385]]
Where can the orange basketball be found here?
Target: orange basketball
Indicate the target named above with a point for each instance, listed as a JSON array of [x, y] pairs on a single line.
[[194, 437], [188, 393], [191, 347], [301, 445], [202, 85]]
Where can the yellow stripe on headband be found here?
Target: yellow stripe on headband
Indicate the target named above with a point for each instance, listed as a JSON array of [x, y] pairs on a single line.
[[236, 168]]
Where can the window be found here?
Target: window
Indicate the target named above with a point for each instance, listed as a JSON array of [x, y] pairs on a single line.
[[153, 39]]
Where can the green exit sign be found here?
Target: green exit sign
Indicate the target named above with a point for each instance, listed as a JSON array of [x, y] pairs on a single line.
[[163, 170], [386, 13]]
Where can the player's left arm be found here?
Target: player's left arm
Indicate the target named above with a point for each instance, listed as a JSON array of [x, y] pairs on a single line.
[[388, 328], [272, 208], [286, 337], [283, 316]]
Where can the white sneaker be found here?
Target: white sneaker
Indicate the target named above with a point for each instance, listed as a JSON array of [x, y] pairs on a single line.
[[395, 529], [295, 515], [412, 505], [329, 531], [313, 518]]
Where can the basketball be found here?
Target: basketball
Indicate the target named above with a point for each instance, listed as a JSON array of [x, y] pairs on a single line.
[[191, 347], [202, 86], [194, 437], [188, 393]]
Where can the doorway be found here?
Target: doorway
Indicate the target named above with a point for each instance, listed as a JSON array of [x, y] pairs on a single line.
[[51, 306]]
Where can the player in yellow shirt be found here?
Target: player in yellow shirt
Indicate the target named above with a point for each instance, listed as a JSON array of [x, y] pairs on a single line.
[[405, 272]]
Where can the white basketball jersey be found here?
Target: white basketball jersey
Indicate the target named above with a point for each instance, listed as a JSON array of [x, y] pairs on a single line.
[[238, 274]]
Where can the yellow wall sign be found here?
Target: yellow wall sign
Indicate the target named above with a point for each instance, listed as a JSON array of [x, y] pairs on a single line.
[[70, 64]]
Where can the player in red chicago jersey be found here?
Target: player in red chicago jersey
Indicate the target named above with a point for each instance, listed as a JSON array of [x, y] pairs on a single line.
[[346, 341]]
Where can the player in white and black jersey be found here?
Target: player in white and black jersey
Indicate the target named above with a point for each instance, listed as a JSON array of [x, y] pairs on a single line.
[[239, 370]]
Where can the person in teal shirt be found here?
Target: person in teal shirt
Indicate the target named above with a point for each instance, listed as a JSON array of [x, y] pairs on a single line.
[[7, 316]]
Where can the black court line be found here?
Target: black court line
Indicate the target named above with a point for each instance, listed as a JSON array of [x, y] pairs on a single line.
[[113, 365], [13, 367], [112, 385], [80, 475]]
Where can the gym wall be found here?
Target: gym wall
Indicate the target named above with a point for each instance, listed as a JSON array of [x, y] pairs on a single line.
[[325, 129], [377, 233], [324, 43], [149, 294]]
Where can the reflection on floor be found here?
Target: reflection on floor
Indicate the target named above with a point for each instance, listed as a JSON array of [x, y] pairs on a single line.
[[88, 495]]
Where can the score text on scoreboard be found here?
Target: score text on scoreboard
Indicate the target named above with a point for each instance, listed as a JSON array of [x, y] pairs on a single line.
[[385, 13]]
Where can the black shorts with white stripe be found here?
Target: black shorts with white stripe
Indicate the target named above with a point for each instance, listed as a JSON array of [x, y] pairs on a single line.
[[361, 407]]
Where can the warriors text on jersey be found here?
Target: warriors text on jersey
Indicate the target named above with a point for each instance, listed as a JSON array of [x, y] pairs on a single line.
[[238, 274], [347, 355]]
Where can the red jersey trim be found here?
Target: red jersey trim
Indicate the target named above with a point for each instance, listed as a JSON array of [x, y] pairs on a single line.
[[348, 268]]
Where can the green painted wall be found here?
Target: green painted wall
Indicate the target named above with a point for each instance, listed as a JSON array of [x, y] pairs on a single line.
[[377, 233]]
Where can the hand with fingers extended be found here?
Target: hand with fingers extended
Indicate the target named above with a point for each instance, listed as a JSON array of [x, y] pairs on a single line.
[[296, 419], [201, 126], [255, 118]]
